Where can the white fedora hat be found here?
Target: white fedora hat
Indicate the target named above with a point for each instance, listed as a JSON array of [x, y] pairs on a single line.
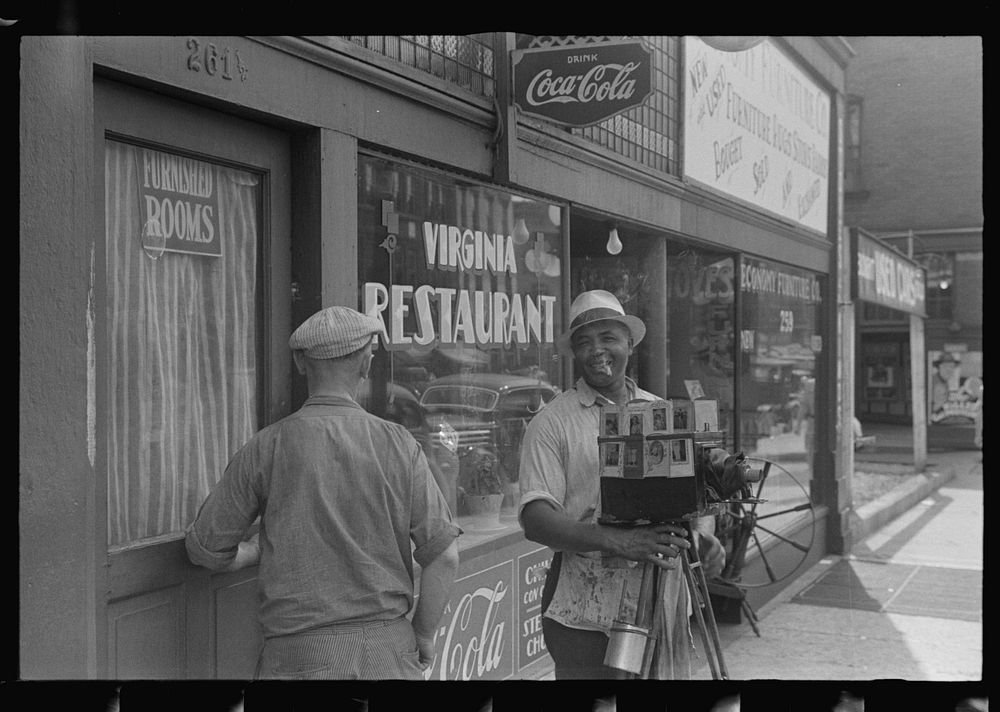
[[598, 305]]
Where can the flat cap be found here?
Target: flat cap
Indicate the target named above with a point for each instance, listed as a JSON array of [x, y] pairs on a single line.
[[334, 332]]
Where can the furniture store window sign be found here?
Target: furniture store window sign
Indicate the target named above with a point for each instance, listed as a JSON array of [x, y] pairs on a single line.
[[883, 276], [583, 84], [758, 129], [472, 266], [179, 205]]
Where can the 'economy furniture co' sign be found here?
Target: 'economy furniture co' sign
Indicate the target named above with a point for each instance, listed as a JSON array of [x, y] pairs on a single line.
[[581, 85]]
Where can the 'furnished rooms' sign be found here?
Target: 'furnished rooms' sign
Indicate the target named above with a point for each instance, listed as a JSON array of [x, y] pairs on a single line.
[[179, 202]]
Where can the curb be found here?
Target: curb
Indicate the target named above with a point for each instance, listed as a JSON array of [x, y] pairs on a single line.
[[873, 515]]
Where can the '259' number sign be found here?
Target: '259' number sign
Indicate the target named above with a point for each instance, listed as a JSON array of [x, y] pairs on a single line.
[[207, 57]]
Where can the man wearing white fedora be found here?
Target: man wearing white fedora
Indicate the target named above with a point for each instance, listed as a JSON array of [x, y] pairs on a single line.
[[560, 489]]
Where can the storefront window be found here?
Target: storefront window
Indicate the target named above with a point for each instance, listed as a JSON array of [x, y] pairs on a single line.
[[634, 275], [883, 376], [467, 282], [181, 281], [701, 289], [780, 342], [684, 296]]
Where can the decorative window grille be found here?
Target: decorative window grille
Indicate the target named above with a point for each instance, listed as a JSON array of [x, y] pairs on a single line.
[[647, 134], [466, 60]]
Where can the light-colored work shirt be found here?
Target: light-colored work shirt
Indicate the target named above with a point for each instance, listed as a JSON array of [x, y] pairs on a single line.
[[341, 495], [560, 464]]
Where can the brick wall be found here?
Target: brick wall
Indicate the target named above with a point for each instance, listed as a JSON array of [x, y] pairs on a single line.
[[969, 289], [921, 132]]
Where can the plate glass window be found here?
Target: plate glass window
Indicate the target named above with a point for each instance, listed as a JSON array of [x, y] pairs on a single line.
[[467, 281], [780, 343], [182, 245]]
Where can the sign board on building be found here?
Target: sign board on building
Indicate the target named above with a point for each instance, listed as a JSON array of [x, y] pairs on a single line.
[[531, 572], [492, 624], [955, 388], [581, 85], [179, 198], [757, 128], [478, 269], [476, 637], [883, 276]]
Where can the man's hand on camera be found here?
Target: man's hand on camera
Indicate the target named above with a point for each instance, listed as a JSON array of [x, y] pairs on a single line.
[[659, 544], [711, 553]]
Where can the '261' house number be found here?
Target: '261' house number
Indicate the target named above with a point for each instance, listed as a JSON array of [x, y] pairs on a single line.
[[213, 61]]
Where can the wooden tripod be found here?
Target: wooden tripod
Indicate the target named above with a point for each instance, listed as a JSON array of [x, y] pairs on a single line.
[[648, 618]]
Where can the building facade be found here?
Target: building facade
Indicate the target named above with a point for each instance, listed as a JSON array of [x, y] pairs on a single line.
[[914, 179], [187, 201]]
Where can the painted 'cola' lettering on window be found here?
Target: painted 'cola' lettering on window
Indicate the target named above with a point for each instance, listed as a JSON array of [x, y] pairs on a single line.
[[474, 639]]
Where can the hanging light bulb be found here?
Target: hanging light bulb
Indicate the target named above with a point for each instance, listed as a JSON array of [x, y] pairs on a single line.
[[521, 234], [614, 243]]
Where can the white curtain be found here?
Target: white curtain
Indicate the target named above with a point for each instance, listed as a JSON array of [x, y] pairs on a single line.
[[182, 365]]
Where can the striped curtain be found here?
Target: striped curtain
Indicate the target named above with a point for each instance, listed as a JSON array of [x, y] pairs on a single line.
[[182, 366]]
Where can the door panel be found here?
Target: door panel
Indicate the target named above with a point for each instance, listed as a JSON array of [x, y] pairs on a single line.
[[194, 319], [147, 635]]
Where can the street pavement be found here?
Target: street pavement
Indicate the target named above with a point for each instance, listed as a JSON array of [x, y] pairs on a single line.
[[905, 604]]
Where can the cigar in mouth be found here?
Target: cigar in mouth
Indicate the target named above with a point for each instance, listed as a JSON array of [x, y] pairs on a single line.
[[604, 368]]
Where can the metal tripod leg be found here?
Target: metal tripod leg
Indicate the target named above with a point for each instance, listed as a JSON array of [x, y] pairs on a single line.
[[751, 614], [648, 619], [700, 597], [732, 590]]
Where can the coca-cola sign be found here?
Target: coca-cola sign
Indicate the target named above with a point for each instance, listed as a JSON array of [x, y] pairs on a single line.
[[474, 638], [582, 85]]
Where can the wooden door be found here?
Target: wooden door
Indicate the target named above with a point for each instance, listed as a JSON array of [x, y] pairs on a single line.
[[192, 317]]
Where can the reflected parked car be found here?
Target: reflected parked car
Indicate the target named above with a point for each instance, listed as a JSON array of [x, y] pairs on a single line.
[[472, 413]]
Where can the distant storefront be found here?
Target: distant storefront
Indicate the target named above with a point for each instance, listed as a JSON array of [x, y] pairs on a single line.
[[955, 395]]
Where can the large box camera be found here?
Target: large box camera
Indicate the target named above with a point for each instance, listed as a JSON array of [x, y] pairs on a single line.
[[654, 472]]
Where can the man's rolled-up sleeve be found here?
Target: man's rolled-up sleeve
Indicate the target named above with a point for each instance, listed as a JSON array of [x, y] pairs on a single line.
[[542, 473], [213, 538], [432, 528]]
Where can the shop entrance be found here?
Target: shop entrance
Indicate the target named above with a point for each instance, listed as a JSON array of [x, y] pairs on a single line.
[[883, 390], [192, 320]]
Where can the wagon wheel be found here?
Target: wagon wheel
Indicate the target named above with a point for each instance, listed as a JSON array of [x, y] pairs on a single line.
[[740, 524]]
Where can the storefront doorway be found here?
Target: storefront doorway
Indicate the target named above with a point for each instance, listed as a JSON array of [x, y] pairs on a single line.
[[883, 379], [192, 319]]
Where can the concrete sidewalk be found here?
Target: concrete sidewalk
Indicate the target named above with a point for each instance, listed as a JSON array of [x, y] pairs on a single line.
[[906, 603]]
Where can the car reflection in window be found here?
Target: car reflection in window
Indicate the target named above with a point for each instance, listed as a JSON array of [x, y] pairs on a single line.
[[488, 412]]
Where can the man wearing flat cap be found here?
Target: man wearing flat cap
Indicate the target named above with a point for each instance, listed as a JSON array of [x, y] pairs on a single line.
[[346, 502], [560, 490]]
